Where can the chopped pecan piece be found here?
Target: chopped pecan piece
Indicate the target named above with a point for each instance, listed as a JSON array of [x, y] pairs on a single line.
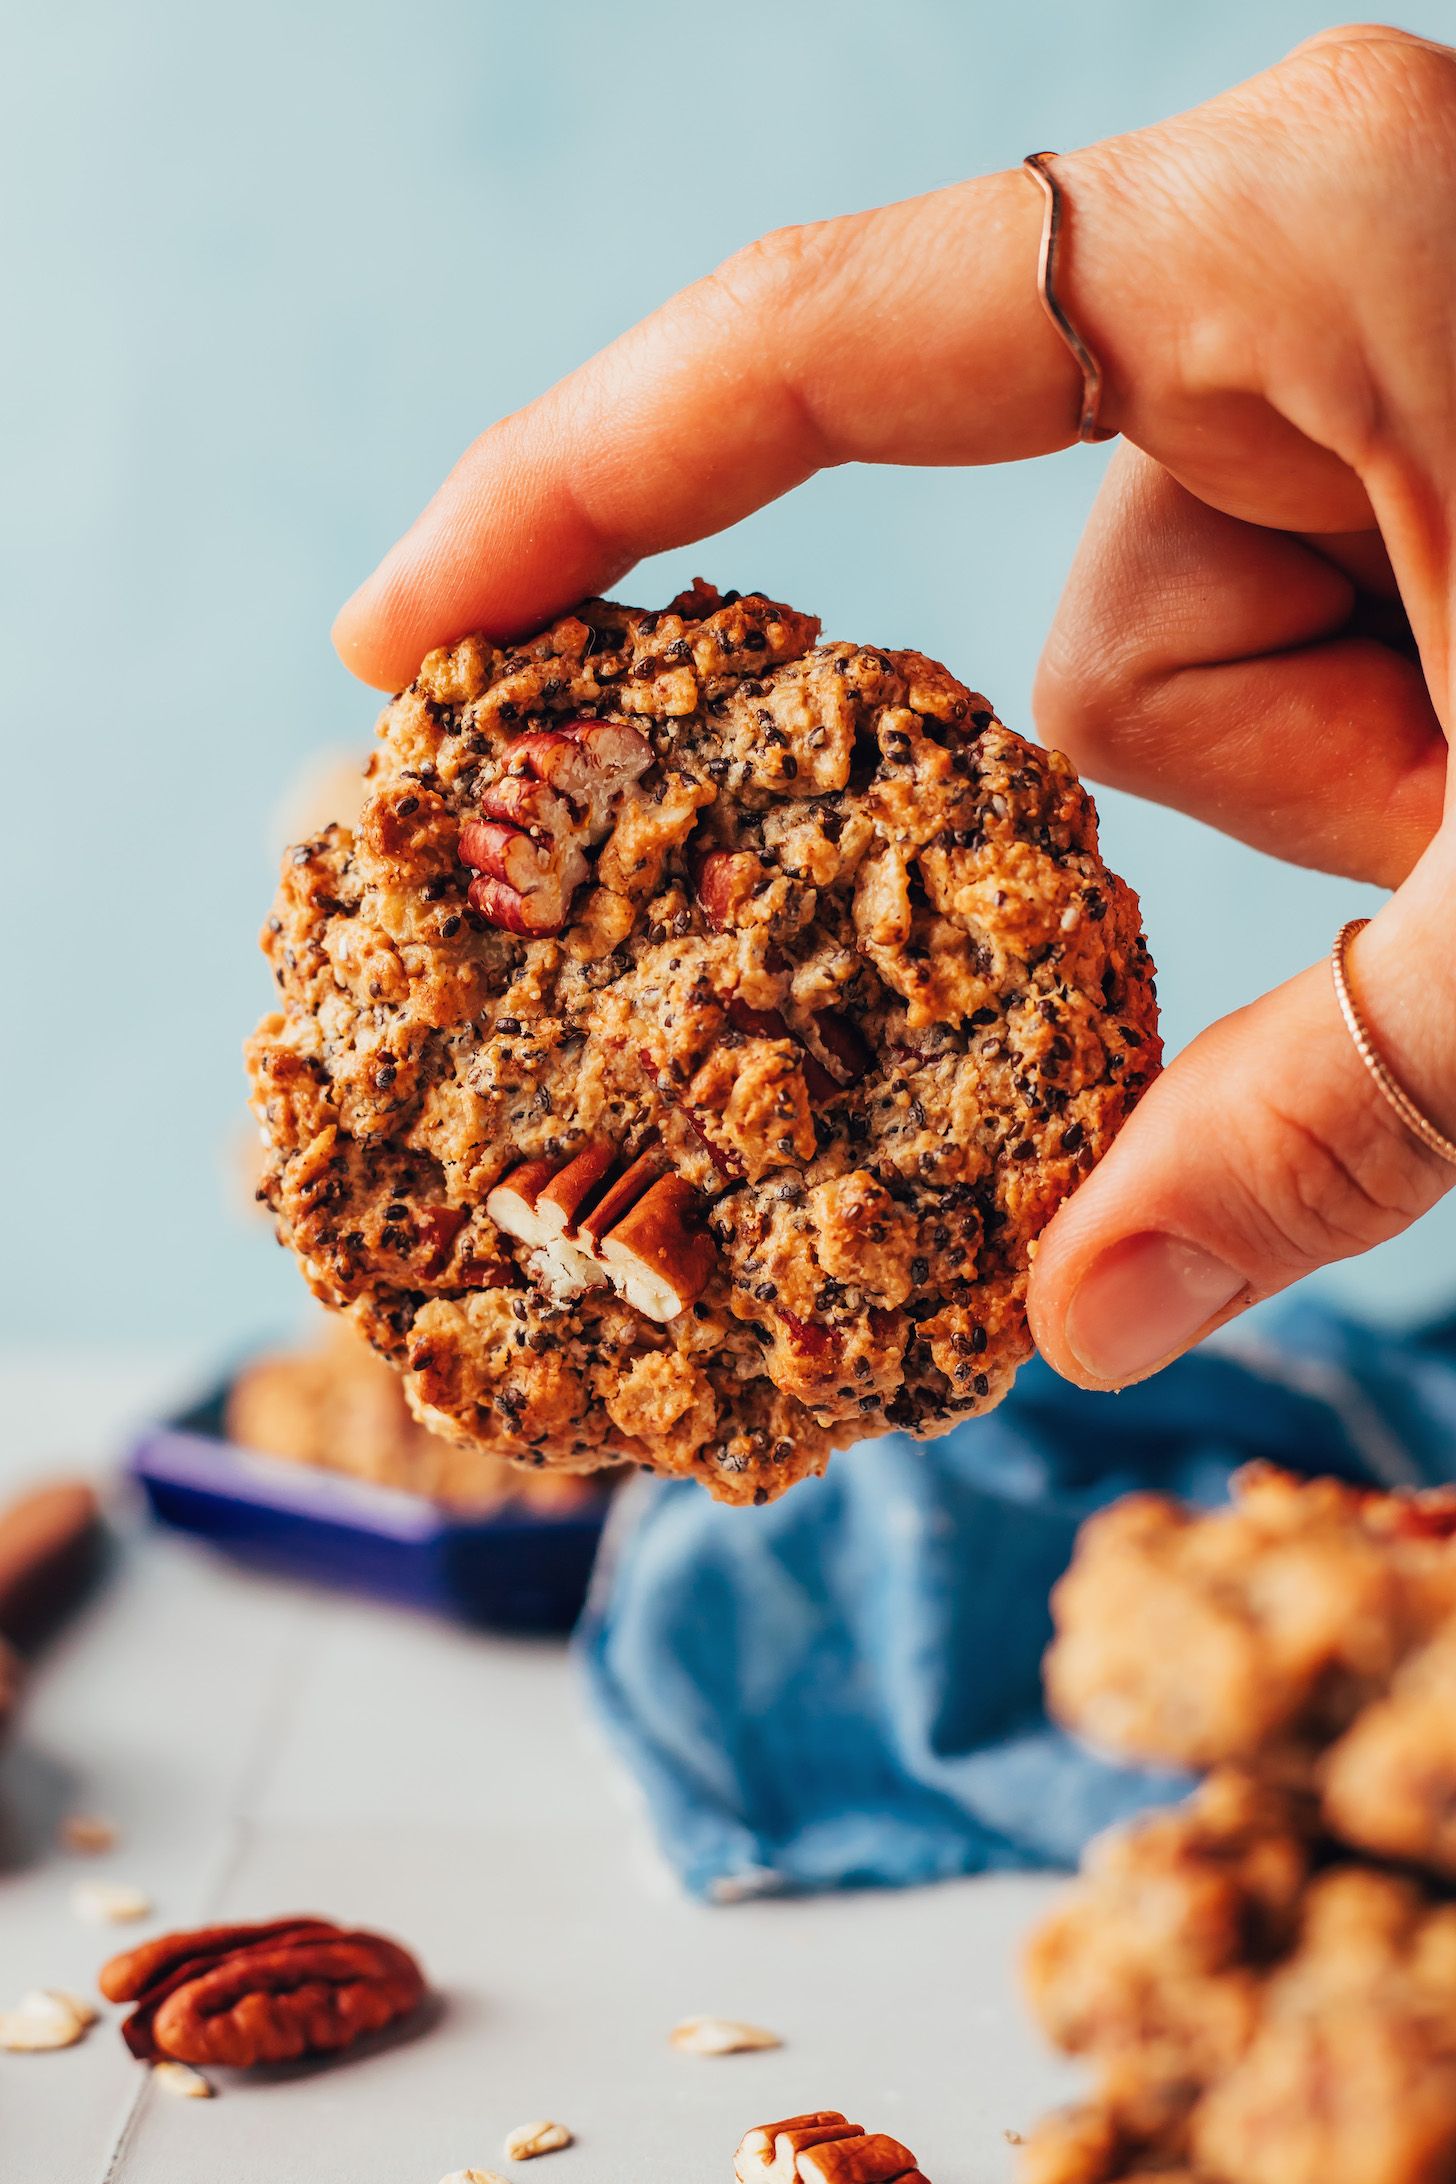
[[570, 1194], [520, 800], [535, 917], [520, 885], [622, 1196], [659, 1256], [767, 2154], [757, 1023], [528, 848], [809, 1337], [725, 879], [768, 1024], [644, 1234], [548, 1206], [589, 763], [822, 2149], [262, 1994], [438, 1228], [512, 1204], [569, 1264], [873, 2159], [509, 854], [841, 1041]]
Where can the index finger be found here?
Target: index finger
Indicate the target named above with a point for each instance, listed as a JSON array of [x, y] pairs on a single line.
[[910, 334], [1238, 348]]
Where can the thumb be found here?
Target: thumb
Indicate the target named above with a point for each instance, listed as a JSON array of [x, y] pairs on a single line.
[[1264, 1151]]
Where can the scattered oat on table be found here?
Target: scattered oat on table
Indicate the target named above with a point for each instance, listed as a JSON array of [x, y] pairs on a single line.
[[109, 1903], [88, 1833], [472, 2176], [24, 2034], [719, 2036], [182, 2081], [530, 2139], [47, 2017]]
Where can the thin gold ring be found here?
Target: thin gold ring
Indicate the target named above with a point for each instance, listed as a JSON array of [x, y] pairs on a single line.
[[1088, 428], [1399, 1099]]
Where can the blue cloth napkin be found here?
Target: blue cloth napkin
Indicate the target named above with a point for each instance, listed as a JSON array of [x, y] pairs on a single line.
[[843, 1688]]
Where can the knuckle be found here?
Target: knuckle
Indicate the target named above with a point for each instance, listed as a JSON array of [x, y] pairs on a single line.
[[766, 275], [775, 291], [1087, 694], [1328, 1189], [1109, 643], [1393, 90]]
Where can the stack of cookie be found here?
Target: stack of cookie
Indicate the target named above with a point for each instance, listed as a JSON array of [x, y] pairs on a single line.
[[1264, 1981]]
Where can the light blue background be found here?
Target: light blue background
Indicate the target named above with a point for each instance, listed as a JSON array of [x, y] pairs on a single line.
[[267, 270]]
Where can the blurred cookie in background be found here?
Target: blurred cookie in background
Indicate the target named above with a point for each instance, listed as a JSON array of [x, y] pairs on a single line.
[[327, 791], [334, 1404]]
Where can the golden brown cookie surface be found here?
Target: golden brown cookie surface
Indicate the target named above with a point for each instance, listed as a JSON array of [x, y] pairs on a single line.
[[337, 1406], [1251, 2011], [1307, 1631], [704, 1113]]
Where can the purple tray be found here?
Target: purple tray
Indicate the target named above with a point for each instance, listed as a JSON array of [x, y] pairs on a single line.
[[511, 1571]]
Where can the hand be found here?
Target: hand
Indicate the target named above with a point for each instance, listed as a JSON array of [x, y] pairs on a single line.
[[1258, 628]]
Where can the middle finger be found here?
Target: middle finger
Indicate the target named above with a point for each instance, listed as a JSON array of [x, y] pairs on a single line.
[[1218, 667]]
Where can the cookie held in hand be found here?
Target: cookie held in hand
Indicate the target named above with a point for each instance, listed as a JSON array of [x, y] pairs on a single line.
[[678, 1059], [262, 1993]]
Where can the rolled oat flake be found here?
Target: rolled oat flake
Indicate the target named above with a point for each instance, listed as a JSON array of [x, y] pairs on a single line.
[[530, 2139]]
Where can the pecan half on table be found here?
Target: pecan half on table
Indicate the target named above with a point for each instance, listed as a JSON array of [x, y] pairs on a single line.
[[265, 1993]]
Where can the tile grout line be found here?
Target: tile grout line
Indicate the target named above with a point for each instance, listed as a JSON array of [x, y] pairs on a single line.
[[125, 2131], [277, 1712]]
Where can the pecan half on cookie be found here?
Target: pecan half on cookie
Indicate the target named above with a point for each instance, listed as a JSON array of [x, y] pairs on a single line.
[[678, 1058], [264, 1993]]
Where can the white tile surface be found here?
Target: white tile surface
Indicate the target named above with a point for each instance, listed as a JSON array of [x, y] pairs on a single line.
[[265, 1748]]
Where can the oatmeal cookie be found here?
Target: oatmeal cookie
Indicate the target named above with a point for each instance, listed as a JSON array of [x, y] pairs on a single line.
[[1154, 1967], [679, 1058], [1252, 2015], [1308, 1631]]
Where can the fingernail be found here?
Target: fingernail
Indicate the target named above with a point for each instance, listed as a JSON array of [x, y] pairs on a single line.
[[1143, 1301]]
